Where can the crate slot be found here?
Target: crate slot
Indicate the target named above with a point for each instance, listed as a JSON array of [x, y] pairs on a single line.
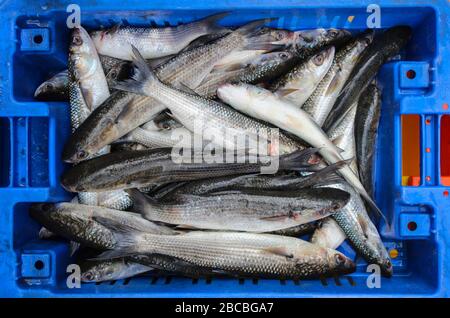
[[415, 225], [5, 151], [410, 128], [445, 150]]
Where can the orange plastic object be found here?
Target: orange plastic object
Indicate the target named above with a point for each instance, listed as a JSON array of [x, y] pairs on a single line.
[[410, 150], [445, 150]]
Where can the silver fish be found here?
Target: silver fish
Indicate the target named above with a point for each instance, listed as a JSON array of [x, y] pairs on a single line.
[[239, 253], [154, 42], [243, 211], [328, 234]]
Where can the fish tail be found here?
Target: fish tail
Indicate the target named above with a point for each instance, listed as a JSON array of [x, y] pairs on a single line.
[[210, 23], [143, 80]]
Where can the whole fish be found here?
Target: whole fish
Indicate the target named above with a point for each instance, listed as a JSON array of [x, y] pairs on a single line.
[[297, 85], [277, 182], [54, 89], [132, 169], [250, 211], [124, 111], [239, 253], [383, 47], [264, 68], [214, 119], [119, 268], [262, 104], [328, 234], [321, 101], [366, 129], [360, 231], [77, 222], [154, 42]]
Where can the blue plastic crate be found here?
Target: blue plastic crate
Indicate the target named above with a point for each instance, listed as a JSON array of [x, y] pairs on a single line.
[[34, 46]]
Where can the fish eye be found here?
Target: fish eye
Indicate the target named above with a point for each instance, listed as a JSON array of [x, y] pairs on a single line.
[[339, 259], [82, 155], [318, 60], [333, 33], [279, 35], [113, 74], [388, 263], [77, 40], [48, 86], [336, 207], [88, 276], [283, 55]]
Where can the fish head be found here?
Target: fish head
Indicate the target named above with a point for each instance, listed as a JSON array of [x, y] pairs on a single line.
[[97, 272], [42, 211], [242, 96], [311, 39], [273, 58], [276, 36], [349, 55], [82, 54], [75, 151], [56, 87], [319, 64], [339, 263]]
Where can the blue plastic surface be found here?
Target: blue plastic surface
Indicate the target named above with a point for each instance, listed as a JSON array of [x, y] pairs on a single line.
[[32, 134]]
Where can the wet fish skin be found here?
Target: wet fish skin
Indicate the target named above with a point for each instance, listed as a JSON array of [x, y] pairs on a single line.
[[299, 83], [251, 211], [54, 89], [107, 270], [240, 253], [321, 101], [154, 42], [264, 105], [178, 137], [366, 130], [132, 169], [328, 234], [383, 47]]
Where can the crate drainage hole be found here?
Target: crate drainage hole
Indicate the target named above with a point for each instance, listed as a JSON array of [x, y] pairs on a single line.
[[411, 74], [38, 39], [412, 226], [39, 265]]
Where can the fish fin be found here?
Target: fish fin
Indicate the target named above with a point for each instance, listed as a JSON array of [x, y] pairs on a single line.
[[373, 205], [113, 29], [227, 68], [363, 223], [210, 22], [279, 251], [324, 176], [299, 159], [74, 247], [141, 201], [336, 141], [283, 92], [44, 233], [187, 89], [252, 27], [143, 78], [127, 109]]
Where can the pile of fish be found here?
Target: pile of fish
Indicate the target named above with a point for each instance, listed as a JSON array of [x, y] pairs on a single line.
[[138, 209]]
